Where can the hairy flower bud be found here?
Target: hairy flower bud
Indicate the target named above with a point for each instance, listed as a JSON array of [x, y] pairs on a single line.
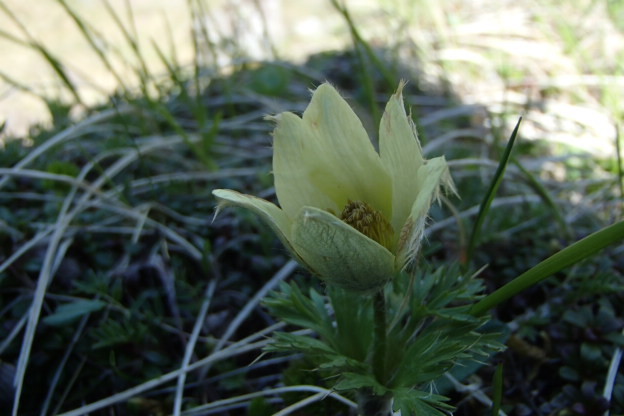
[[350, 214]]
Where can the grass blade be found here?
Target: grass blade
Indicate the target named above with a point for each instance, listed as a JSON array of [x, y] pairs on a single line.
[[55, 63], [364, 54], [620, 168], [87, 33], [543, 193], [131, 38], [498, 390], [568, 256], [490, 194]]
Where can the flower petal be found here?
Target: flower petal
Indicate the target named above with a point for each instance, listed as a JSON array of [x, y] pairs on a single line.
[[431, 177], [401, 155], [297, 158], [340, 254], [355, 171], [270, 213]]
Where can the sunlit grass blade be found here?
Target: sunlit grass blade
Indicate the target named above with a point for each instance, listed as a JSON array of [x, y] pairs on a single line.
[[202, 41], [570, 255], [18, 85], [142, 70], [367, 78], [203, 154], [54, 62], [620, 167], [208, 129], [365, 54], [387, 73], [88, 34], [490, 194]]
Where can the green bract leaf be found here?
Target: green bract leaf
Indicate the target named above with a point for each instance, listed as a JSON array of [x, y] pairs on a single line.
[[339, 254]]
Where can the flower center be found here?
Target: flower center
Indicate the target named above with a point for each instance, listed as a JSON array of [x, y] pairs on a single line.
[[368, 221]]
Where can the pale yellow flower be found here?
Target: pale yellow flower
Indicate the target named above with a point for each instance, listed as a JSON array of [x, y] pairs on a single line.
[[353, 216]]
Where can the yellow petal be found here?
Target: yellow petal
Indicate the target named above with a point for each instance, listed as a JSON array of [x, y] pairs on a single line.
[[401, 155], [297, 158], [339, 254], [270, 213], [354, 168], [431, 177]]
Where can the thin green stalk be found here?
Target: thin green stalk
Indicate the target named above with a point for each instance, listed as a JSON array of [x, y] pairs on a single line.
[[490, 194], [198, 13], [369, 85], [387, 74], [367, 77], [498, 390]]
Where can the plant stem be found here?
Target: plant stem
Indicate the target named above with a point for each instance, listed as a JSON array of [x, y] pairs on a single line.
[[379, 343], [370, 404]]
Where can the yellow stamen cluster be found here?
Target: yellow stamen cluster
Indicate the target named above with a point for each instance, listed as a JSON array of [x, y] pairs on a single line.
[[368, 221]]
